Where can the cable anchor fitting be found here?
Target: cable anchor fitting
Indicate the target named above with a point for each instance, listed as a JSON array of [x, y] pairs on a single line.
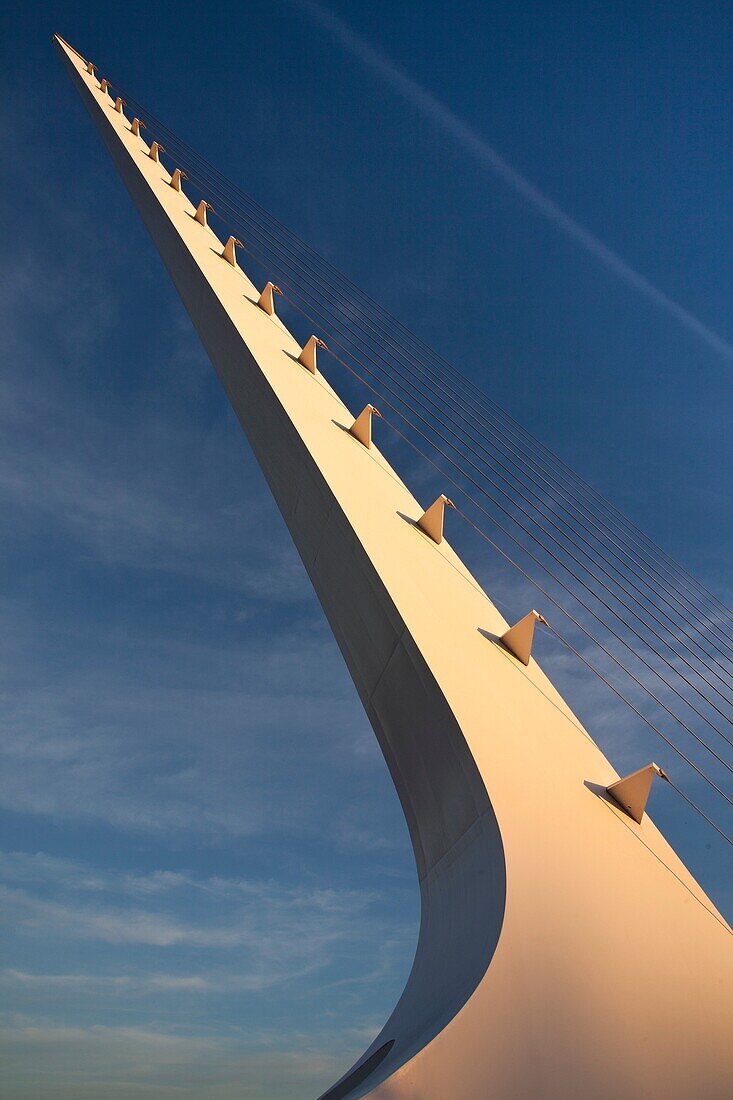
[[119, 104], [266, 300], [155, 150], [518, 639], [136, 126], [632, 792], [431, 521], [308, 355], [104, 85], [229, 253], [176, 178], [200, 215], [361, 429]]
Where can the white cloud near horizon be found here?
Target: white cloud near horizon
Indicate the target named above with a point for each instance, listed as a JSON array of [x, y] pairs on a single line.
[[287, 929], [473, 143], [44, 1060], [153, 980], [162, 934]]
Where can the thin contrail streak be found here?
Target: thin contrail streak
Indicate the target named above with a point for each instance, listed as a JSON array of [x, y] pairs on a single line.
[[467, 137]]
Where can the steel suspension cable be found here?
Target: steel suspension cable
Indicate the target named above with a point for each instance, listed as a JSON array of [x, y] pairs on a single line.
[[577, 624], [696, 808], [553, 488], [704, 639], [545, 592], [664, 625], [543, 566], [644, 641], [264, 214], [268, 265]]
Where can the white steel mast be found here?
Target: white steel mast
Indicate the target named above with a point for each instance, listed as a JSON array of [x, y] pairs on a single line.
[[564, 949]]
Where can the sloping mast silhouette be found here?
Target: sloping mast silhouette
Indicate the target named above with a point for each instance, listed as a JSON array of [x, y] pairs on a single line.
[[564, 949]]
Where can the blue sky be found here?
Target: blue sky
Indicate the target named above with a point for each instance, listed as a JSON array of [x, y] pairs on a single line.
[[207, 879]]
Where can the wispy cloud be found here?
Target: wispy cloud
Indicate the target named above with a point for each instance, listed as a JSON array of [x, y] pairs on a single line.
[[478, 147], [283, 931], [145, 562], [134, 746], [71, 463], [131, 968], [42, 1059]]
